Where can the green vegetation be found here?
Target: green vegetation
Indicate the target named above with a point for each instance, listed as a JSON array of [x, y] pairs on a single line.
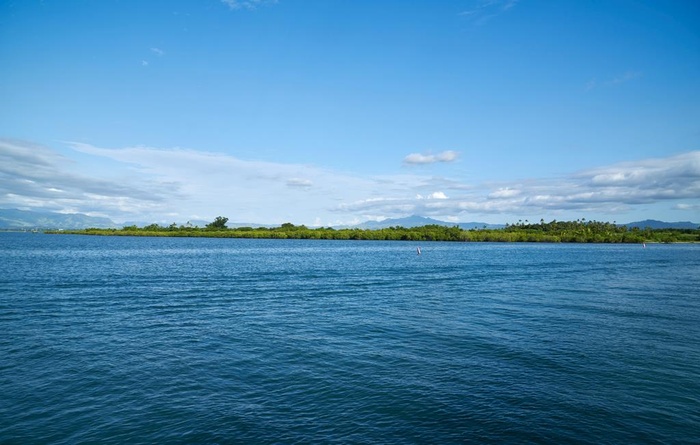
[[580, 231], [218, 224]]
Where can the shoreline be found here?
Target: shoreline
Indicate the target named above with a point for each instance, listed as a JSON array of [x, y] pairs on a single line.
[[576, 233]]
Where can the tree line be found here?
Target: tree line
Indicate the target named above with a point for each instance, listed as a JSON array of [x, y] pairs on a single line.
[[579, 231]]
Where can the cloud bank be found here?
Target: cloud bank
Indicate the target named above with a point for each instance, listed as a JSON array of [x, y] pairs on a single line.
[[33, 176], [166, 185], [607, 190]]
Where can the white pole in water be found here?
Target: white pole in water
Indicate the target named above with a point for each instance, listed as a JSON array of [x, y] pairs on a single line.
[[418, 250]]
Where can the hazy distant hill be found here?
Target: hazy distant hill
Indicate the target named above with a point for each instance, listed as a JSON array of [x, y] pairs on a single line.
[[654, 224], [192, 223], [195, 223], [418, 221], [25, 219], [29, 219]]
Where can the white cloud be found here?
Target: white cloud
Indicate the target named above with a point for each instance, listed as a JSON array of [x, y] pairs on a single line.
[[435, 195], [158, 52], [299, 182], [505, 192], [684, 206], [417, 158]]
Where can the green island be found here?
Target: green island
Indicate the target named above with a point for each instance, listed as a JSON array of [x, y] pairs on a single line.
[[580, 231]]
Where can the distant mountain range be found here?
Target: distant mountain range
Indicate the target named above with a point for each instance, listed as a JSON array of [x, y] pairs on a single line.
[[654, 224], [27, 220], [418, 221]]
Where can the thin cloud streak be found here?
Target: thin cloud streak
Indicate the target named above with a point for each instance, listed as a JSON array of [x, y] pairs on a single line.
[[299, 182], [484, 10], [246, 4], [417, 158], [615, 81]]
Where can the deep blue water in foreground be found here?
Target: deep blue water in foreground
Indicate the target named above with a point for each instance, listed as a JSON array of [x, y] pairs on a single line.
[[164, 340]]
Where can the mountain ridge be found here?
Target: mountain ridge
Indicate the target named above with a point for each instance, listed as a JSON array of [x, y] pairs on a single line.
[[656, 224], [418, 221], [16, 219], [30, 219]]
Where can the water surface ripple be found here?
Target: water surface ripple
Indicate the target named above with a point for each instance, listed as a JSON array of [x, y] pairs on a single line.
[[152, 340]]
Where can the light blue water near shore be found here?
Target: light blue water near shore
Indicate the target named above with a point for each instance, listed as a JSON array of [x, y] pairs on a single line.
[[170, 340]]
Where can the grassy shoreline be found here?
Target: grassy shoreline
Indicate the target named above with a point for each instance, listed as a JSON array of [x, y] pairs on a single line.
[[554, 232]]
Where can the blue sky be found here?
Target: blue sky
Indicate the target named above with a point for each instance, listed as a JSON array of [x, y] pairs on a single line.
[[335, 112]]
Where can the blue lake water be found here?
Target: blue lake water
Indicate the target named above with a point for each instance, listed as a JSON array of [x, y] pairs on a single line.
[[171, 340]]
